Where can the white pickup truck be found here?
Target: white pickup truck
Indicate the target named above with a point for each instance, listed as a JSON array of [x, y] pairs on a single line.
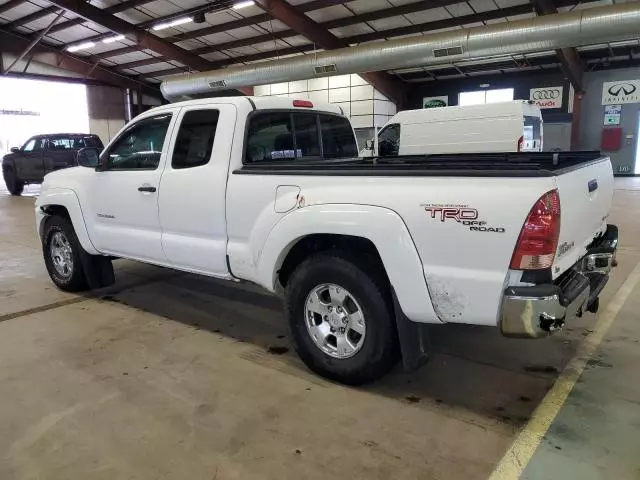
[[364, 251]]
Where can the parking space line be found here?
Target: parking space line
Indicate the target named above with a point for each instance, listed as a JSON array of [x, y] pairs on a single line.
[[513, 463]]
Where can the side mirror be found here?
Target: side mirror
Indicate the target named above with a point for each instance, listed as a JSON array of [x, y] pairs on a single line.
[[88, 157], [369, 145], [15, 150]]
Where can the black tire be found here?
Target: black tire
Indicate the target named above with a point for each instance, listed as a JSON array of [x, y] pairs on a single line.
[[14, 186], [76, 280], [368, 286]]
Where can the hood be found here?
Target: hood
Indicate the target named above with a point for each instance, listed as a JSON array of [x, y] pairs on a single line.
[[65, 178]]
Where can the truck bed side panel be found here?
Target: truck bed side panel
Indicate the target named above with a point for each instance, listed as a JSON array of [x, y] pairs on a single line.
[[465, 265]]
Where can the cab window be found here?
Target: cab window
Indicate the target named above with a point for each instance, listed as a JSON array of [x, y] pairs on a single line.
[[276, 136], [389, 141], [140, 147], [194, 142], [270, 137], [337, 137], [33, 145]]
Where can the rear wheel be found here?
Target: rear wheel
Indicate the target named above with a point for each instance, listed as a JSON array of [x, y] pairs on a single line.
[[341, 320], [14, 186]]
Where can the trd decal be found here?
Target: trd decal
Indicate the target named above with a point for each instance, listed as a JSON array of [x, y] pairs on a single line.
[[462, 214]]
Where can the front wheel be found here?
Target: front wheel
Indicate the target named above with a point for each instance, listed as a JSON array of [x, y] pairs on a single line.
[[14, 186], [341, 320], [62, 251]]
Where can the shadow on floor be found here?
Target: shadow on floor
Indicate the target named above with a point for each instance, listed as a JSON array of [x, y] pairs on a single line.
[[471, 368]]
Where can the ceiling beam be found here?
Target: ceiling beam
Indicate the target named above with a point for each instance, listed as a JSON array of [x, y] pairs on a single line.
[[143, 38], [15, 44], [391, 87], [121, 7], [223, 27], [5, 7], [35, 42], [365, 37], [284, 34], [32, 17], [569, 57], [256, 19]]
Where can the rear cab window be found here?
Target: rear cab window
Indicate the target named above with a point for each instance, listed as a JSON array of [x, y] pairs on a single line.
[[294, 135]]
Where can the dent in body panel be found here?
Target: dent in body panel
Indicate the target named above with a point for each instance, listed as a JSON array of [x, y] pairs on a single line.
[[449, 303]]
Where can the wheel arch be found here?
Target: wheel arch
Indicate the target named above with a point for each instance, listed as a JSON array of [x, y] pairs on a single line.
[[65, 203], [376, 230]]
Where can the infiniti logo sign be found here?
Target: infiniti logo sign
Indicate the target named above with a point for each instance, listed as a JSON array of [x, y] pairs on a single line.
[[620, 92], [624, 88]]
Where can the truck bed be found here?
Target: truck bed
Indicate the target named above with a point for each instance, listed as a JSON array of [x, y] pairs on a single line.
[[530, 164]]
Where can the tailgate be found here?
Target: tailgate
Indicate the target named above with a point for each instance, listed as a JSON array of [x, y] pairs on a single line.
[[586, 193]]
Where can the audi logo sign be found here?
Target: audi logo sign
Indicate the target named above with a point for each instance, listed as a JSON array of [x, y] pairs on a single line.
[[547, 97], [625, 91], [548, 94]]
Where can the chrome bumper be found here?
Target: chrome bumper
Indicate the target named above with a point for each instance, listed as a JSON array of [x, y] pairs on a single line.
[[537, 311]]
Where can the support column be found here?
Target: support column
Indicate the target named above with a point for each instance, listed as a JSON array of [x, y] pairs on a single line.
[[575, 120]]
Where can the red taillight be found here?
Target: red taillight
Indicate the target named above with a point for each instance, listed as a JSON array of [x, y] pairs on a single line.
[[303, 103], [520, 143], [538, 241]]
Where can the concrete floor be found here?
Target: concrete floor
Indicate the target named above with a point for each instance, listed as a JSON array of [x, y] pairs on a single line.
[[175, 376]]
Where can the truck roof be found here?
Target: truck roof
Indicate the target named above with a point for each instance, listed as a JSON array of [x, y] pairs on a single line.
[[66, 134], [260, 103]]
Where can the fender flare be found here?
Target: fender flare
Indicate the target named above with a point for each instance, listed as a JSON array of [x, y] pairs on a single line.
[[68, 199], [383, 227]]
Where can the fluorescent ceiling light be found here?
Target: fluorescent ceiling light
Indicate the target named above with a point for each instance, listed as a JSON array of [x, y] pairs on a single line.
[[81, 46], [172, 23], [245, 4], [117, 38]]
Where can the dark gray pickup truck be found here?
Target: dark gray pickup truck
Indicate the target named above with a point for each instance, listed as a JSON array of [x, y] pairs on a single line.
[[43, 154]]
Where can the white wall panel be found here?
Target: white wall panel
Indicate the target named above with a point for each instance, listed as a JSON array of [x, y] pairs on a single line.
[[299, 86], [319, 96], [262, 90], [362, 121], [337, 95], [358, 99], [363, 92], [364, 107], [279, 88], [319, 83], [340, 81]]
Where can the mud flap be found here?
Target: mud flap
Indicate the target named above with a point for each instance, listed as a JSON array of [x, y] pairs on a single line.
[[414, 342], [97, 269]]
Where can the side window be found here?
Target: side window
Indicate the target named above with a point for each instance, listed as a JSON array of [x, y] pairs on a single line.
[[195, 139], [140, 147], [389, 141], [307, 140], [337, 137], [60, 143], [30, 145], [270, 137]]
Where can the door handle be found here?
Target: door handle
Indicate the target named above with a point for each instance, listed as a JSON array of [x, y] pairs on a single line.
[[146, 188]]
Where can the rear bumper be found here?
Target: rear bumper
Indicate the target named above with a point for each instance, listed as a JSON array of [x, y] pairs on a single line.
[[537, 311]]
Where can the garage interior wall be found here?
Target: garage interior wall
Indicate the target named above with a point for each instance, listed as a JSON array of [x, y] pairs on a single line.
[[107, 110], [592, 118], [364, 105]]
